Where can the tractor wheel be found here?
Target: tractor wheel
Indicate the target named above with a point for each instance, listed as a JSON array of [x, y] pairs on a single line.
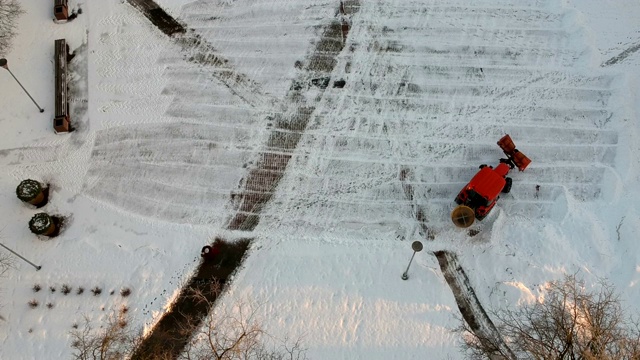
[[463, 216], [507, 186], [482, 166]]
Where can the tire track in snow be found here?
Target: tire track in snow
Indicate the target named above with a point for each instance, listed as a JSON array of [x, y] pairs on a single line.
[[623, 55], [198, 50], [418, 211], [470, 307]]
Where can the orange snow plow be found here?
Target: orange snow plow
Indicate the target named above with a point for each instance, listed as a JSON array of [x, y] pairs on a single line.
[[479, 196], [520, 160]]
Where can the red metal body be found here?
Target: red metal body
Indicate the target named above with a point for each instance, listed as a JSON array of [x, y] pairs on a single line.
[[481, 193], [484, 189]]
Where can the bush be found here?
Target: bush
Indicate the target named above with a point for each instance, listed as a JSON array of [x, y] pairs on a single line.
[[66, 289], [571, 323]]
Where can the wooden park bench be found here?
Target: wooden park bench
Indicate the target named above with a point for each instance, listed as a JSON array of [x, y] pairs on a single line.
[[61, 120]]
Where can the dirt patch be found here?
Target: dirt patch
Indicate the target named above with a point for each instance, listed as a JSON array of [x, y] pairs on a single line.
[[171, 334], [158, 17]]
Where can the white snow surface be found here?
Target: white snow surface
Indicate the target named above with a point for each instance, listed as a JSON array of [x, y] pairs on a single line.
[[145, 180]]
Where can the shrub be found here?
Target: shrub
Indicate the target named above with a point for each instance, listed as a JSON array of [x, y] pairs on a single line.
[[33, 303], [80, 290], [124, 292], [36, 287], [66, 289], [96, 291]]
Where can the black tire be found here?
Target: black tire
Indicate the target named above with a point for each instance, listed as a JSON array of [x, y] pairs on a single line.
[[507, 186], [483, 166]]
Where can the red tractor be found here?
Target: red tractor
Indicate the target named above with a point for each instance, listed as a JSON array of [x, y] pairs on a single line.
[[478, 197]]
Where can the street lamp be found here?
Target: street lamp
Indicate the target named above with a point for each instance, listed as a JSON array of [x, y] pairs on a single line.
[[417, 247], [3, 63], [20, 256]]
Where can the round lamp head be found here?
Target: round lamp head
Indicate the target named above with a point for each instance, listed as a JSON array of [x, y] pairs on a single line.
[[416, 246]]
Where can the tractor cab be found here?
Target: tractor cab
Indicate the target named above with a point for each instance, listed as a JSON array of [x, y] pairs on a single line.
[[479, 196]]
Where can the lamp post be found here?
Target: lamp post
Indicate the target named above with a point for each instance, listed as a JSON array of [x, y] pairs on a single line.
[[3, 63], [417, 247], [20, 256]]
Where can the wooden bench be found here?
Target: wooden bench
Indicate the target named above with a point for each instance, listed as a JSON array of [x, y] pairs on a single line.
[[61, 120], [61, 9]]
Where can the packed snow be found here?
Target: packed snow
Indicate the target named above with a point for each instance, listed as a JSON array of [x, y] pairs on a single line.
[[164, 139]]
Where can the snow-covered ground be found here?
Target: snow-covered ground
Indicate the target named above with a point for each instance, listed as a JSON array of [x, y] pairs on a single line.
[[162, 141]]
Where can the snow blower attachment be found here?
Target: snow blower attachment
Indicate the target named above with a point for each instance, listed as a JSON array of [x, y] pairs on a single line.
[[478, 197], [515, 157]]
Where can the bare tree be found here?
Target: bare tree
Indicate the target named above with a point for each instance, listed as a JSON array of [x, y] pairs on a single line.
[[235, 332], [570, 322], [9, 12], [6, 263], [229, 333], [112, 341]]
